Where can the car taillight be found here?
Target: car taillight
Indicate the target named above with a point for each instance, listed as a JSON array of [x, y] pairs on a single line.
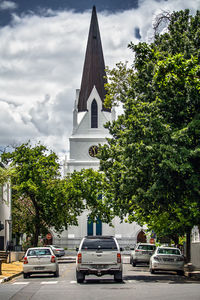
[[137, 250], [25, 260], [79, 258], [118, 258], [53, 259], [180, 258]]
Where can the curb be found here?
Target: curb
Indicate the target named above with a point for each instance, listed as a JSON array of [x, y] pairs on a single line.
[[10, 277], [193, 274]]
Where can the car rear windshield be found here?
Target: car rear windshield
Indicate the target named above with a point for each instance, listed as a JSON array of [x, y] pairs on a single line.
[[147, 247], [169, 251], [38, 252], [99, 244]]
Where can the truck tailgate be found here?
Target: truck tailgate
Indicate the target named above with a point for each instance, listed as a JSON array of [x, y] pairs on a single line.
[[97, 257]]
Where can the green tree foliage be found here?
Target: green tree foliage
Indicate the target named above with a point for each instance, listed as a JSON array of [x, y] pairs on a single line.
[[152, 161], [92, 186], [5, 174], [40, 198]]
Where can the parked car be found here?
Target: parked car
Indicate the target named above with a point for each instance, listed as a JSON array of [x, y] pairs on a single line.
[[40, 260], [98, 255], [57, 250], [142, 253], [167, 258]]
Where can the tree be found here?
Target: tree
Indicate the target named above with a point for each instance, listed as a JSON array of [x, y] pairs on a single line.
[[152, 160], [40, 198], [5, 174], [92, 186]]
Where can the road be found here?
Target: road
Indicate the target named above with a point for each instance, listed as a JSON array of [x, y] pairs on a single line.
[[138, 284]]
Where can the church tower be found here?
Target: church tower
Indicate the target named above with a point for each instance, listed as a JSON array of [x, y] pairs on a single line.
[[89, 115]]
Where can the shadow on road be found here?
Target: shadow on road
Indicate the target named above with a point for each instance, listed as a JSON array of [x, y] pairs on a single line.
[[169, 277]]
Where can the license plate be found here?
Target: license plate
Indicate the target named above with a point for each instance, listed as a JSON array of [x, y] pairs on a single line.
[[39, 268], [168, 259], [99, 266]]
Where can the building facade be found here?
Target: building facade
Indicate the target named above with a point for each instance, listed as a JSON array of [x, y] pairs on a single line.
[[5, 214], [89, 117]]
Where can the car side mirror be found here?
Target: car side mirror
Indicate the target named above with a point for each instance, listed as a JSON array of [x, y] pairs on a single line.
[[121, 249], [76, 249]]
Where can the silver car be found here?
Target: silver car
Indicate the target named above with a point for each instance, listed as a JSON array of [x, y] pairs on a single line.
[[40, 260], [167, 258], [98, 255], [57, 250], [142, 253]]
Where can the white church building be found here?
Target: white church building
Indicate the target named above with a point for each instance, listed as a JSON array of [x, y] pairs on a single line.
[[89, 117]]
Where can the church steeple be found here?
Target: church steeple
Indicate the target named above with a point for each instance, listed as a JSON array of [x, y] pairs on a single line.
[[94, 66]]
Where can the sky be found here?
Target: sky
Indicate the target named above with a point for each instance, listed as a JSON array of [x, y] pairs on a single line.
[[42, 48]]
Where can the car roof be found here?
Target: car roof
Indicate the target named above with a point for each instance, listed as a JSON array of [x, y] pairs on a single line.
[[167, 247], [145, 244], [35, 248]]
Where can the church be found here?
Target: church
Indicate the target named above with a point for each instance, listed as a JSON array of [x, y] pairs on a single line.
[[89, 117]]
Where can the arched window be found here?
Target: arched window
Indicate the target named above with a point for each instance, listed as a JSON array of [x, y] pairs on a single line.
[[94, 114], [141, 238]]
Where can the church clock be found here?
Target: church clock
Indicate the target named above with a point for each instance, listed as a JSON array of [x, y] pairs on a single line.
[[93, 150]]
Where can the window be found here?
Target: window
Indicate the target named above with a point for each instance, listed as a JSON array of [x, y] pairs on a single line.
[[99, 244], [94, 114], [169, 251], [39, 252], [98, 227], [89, 227], [147, 247]]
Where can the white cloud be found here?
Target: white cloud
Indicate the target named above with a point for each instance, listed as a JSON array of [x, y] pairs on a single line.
[[8, 5], [41, 65]]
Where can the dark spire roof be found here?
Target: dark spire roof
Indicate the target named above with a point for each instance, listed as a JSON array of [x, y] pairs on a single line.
[[94, 66]]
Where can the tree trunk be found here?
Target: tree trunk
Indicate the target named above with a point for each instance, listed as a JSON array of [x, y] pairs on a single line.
[[36, 222], [188, 246], [36, 233]]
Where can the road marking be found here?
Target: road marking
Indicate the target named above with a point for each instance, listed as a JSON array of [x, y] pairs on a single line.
[[48, 282], [22, 282], [73, 281]]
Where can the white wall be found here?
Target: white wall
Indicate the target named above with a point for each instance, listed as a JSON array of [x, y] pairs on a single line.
[[5, 212]]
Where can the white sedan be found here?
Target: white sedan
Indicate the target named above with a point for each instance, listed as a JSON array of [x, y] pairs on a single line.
[[167, 259], [40, 260]]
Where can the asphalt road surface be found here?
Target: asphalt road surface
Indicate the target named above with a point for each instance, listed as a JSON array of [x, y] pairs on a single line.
[[138, 284]]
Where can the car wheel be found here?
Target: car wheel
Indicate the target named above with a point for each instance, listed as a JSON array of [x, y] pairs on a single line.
[[118, 277], [80, 277], [180, 272], [26, 275], [133, 263], [56, 274]]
